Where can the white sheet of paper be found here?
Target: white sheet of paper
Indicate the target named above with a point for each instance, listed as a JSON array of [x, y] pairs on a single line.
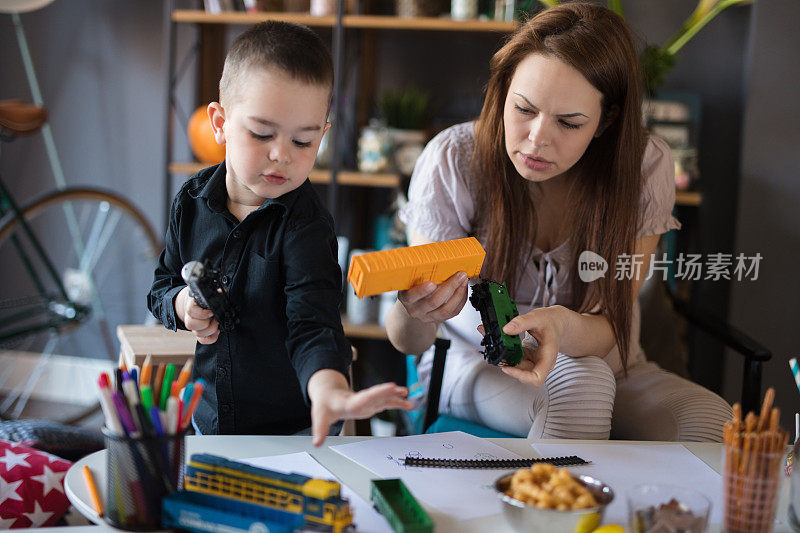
[[460, 493], [623, 466], [366, 518]]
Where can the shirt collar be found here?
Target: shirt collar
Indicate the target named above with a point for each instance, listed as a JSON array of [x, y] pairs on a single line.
[[287, 200], [215, 193]]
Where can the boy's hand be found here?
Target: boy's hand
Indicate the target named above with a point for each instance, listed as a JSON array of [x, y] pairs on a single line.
[[332, 400], [200, 321]]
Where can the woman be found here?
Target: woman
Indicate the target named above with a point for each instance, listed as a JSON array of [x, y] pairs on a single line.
[[558, 163]]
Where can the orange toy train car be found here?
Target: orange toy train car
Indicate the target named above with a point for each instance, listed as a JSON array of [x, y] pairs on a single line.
[[402, 268]]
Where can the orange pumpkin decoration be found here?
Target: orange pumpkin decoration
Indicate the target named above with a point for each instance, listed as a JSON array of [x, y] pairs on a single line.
[[201, 138]]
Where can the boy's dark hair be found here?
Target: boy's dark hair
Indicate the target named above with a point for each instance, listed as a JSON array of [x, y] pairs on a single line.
[[293, 48]]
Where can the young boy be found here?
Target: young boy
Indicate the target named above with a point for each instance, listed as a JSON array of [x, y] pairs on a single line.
[[257, 220]]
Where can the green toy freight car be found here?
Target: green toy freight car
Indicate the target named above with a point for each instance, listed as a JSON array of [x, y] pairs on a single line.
[[393, 500], [497, 309]]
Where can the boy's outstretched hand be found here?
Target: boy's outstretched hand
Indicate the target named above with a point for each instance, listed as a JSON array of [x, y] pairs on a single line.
[[332, 400]]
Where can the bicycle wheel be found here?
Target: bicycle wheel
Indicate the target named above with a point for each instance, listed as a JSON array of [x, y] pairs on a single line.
[[103, 250]]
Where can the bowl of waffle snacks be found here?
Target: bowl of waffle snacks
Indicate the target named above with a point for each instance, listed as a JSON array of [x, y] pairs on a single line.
[[544, 498]]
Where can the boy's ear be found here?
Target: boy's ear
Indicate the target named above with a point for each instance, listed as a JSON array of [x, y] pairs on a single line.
[[216, 115], [609, 117]]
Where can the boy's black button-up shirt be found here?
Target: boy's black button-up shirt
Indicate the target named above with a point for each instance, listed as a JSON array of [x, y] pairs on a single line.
[[279, 266]]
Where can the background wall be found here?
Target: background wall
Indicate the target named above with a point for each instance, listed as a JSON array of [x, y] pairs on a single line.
[[102, 72], [767, 221], [711, 65]]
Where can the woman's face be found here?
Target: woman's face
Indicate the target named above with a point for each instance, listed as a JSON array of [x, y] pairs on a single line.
[[551, 115]]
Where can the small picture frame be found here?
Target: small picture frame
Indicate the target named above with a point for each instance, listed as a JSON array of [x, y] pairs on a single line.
[[678, 135]]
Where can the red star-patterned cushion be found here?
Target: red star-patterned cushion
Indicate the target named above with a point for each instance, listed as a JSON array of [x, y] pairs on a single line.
[[31, 487]]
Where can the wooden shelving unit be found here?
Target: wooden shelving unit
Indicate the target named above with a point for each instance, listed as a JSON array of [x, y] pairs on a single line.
[[363, 331], [364, 22], [186, 168], [365, 179], [343, 177], [381, 22], [688, 198]]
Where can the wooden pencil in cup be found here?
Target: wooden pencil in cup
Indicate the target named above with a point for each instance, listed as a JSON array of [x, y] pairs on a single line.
[[759, 471], [735, 442], [766, 407], [746, 460], [753, 453], [774, 446]]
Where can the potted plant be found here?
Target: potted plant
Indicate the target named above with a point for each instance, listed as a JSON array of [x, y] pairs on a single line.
[[406, 113], [657, 60]]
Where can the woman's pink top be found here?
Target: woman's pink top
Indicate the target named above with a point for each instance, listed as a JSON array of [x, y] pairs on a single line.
[[441, 206]]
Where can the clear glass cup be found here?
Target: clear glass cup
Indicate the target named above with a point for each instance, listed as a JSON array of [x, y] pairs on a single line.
[[657, 507], [750, 482], [794, 489]]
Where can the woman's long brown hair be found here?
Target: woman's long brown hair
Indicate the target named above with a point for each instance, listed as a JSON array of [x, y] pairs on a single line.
[[604, 200]]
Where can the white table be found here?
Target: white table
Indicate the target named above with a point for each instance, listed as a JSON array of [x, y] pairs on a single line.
[[354, 475]]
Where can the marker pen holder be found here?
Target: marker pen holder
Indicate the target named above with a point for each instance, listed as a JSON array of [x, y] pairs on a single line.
[[139, 473]]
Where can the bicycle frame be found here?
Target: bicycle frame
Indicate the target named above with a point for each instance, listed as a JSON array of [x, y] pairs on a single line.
[[49, 312]]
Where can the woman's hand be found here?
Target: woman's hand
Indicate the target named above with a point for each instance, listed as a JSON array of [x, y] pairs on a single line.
[[430, 302], [546, 325]]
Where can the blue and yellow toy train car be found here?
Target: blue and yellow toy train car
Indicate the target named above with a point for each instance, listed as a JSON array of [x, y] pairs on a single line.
[[319, 501]]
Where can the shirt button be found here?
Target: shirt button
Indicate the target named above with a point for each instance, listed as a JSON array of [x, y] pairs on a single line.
[[236, 234], [225, 408], [224, 280]]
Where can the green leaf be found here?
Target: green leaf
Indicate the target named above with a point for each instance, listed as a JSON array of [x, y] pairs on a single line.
[[696, 22], [616, 7], [656, 63], [407, 109]]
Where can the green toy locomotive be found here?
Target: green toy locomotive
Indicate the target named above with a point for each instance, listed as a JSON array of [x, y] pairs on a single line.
[[497, 309]]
